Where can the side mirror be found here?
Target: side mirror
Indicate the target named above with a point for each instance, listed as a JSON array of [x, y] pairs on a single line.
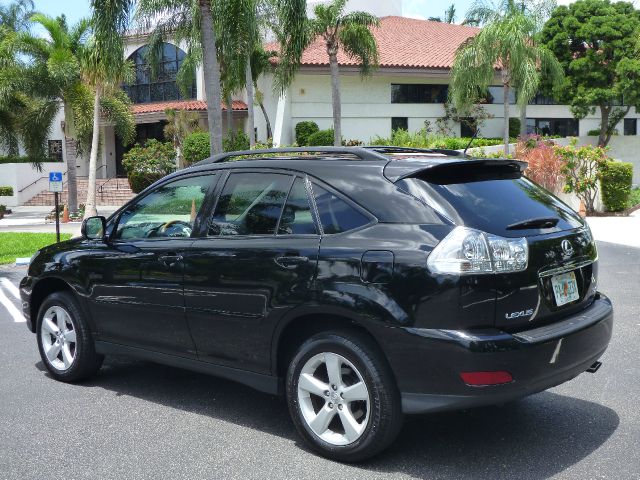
[[94, 228]]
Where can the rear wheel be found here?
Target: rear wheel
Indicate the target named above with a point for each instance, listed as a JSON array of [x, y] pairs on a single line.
[[64, 340], [342, 396]]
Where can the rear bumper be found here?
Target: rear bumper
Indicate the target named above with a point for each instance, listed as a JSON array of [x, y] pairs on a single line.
[[429, 364]]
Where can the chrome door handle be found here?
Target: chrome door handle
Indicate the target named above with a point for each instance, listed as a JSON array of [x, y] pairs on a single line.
[[170, 259]]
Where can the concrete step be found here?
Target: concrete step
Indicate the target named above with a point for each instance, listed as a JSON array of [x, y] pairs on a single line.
[[115, 191]]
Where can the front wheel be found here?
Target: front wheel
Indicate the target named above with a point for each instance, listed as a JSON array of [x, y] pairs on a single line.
[[64, 339], [342, 396]]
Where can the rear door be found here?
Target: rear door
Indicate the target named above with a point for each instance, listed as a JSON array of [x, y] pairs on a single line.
[[561, 273], [256, 260]]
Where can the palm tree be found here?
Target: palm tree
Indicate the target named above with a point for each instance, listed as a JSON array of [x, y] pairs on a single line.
[[259, 65], [56, 58], [505, 43], [449, 15], [15, 16], [180, 123], [104, 68], [190, 23], [351, 32], [483, 11]]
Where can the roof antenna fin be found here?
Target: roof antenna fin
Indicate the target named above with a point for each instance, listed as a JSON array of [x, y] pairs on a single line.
[[475, 134]]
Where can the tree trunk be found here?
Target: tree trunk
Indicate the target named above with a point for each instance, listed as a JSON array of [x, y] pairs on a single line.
[[229, 114], [211, 76], [90, 204], [72, 183], [251, 119], [605, 110], [266, 118], [335, 95], [523, 120], [505, 135]]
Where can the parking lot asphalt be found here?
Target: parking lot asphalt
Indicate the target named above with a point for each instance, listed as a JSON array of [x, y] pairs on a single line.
[[137, 420]]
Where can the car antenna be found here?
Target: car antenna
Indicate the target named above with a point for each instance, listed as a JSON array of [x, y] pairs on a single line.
[[475, 134]]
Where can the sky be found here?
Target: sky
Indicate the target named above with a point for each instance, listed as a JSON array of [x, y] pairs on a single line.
[[76, 9]]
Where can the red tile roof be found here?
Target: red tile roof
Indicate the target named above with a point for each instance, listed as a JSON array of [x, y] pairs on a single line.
[[193, 105], [404, 43]]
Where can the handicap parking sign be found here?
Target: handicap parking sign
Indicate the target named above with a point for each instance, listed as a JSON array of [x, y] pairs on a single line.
[[55, 181]]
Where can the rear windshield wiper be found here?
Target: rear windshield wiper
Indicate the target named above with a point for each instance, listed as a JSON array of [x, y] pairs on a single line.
[[548, 222]]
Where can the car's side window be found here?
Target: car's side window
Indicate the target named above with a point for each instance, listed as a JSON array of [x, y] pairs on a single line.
[[336, 215], [250, 204], [168, 211], [296, 217]]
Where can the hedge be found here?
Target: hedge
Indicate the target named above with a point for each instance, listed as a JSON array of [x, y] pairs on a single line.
[[6, 191], [148, 163], [615, 182], [321, 138], [196, 147], [235, 141], [304, 130]]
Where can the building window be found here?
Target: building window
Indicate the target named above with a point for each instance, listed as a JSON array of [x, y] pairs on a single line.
[[162, 86], [468, 127], [495, 95], [55, 150], [541, 99], [418, 93], [562, 127], [399, 123], [630, 126]]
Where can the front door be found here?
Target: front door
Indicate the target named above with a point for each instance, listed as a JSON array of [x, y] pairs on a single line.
[[257, 261], [137, 294]]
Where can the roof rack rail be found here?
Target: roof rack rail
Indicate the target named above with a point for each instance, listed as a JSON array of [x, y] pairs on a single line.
[[361, 153], [394, 149]]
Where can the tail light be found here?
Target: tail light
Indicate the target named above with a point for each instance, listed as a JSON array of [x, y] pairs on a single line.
[[469, 251]]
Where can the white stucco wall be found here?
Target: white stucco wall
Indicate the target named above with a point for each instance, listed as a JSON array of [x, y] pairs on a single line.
[[21, 176]]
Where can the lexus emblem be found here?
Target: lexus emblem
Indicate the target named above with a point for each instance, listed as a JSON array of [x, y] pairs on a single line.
[[567, 248]]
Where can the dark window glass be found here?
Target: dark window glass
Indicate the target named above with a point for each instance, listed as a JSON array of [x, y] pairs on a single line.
[[468, 127], [563, 127], [161, 87], [418, 93], [496, 95], [399, 123], [541, 99], [168, 211], [481, 203], [336, 215], [630, 126], [55, 150], [250, 204], [296, 217]]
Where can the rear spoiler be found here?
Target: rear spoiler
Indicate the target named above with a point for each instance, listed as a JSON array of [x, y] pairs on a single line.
[[454, 170]]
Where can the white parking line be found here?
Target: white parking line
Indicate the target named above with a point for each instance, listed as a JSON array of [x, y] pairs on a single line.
[[11, 308], [8, 284]]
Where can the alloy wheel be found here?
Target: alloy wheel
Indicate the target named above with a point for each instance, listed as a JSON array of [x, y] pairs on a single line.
[[58, 337], [333, 398]]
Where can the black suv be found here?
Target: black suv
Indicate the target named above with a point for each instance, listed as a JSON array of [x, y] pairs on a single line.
[[361, 283]]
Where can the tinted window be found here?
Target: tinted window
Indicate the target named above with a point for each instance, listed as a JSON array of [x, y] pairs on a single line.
[[168, 211], [250, 204], [296, 216], [418, 93], [336, 215], [399, 123], [492, 204], [630, 126]]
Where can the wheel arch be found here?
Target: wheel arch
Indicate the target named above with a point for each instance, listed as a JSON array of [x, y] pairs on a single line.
[[42, 290], [293, 332]]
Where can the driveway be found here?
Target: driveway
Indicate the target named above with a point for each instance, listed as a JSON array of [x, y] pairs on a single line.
[[138, 420]]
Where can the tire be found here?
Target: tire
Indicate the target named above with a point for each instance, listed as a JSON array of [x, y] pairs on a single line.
[[314, 402], [63, 332]]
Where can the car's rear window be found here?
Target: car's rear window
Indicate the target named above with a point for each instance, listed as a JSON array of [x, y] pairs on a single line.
[[491, 205]]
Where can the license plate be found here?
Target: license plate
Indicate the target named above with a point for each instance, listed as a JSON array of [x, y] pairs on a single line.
[[565, 288]]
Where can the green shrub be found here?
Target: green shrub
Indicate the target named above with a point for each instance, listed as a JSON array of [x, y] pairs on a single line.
[[322, 138], [514, 127], [235, 141], [6, 191], [634, 198], [420, 139], [195, 147], [16, 159], [3, 209], [148, 163], [304, 130], [593, 133], [615, 182]]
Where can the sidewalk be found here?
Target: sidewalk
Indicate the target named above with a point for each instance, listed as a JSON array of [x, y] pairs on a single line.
[[32, 219], [620, 230]]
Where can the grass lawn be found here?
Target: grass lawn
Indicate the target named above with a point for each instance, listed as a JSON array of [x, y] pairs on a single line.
[[14, 245]]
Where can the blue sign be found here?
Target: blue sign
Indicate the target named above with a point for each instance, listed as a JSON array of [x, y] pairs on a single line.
[[55, 181]]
